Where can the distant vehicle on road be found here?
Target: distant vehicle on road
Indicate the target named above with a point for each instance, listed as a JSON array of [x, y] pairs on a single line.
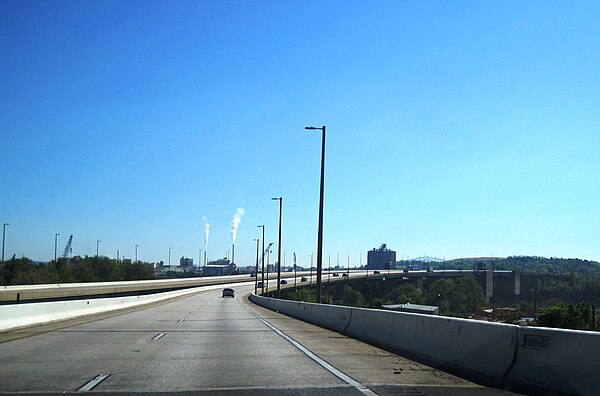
[[228, 292], [283, 282], [303, 279], [253, 275], [376, 272], [260, 285], [336, 274], [345, 274]]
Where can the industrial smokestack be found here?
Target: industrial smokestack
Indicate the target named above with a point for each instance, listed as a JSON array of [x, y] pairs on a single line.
[[233, 253]]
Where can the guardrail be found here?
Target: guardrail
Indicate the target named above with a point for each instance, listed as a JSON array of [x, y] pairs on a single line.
[[506, 356]]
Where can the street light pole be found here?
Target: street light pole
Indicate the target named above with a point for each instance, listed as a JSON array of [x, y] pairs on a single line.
[[137, 274], [279, 249], [169, 262], [320, 232], [262, 279], [256, 271], [55, 243], [268, 259], [3, 240], [98, 247], [311, 265]]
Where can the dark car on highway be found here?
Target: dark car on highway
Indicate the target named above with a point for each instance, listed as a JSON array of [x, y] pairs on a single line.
[[228, 292]]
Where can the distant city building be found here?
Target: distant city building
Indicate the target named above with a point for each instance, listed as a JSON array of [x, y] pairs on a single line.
[[382, 258], [186, 262]]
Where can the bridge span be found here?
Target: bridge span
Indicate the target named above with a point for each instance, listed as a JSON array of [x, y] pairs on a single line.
[[204, 343]]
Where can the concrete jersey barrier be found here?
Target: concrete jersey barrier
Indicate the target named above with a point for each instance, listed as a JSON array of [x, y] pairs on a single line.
[[565, 361], [502, 355], [23, 315], [449, 343]]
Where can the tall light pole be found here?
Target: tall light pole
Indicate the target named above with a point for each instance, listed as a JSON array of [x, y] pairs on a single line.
[[55, 243], [311, 265], [3, 240], [268, 259], [137, 274], [320, 233], [136, 249], [98, 247], [170, 262], [348, 265], [329, 276], [256, 271], [263, 256], [279, 248]]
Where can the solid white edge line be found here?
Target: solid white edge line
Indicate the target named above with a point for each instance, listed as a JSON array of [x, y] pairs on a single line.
[[347, 379], [93, 383]]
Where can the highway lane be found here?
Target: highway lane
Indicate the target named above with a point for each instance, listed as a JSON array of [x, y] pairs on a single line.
[[212, 344]]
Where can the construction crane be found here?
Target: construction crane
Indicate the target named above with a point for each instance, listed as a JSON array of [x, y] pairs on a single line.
[[68, 249]]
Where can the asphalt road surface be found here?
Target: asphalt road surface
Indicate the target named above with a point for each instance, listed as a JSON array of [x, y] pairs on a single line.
[[208, 344]]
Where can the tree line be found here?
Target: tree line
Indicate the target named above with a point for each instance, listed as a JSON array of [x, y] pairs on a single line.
[[536, 264], [559, 303], [23, 271], [456, 297]]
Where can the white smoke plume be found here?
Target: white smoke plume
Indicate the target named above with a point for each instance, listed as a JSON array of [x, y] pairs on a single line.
[[206, 232], [235, 222]]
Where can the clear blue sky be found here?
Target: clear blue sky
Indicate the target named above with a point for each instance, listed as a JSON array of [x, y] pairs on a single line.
[[455, 129]]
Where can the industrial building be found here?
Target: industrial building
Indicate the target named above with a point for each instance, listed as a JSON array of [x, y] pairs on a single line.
[[185, 262], [219, 268], [382, 258]]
